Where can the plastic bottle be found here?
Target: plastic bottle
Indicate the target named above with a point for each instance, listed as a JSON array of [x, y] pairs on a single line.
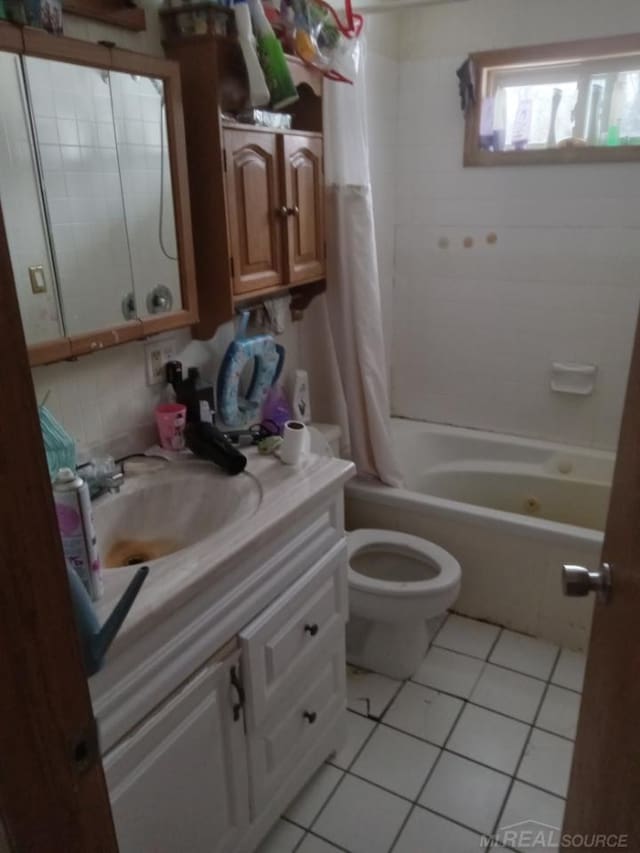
[[272, 59], [259, 94], [77, 531]]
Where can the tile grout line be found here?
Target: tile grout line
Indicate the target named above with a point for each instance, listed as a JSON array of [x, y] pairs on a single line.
[[534, 728], [415, 803], [433, 766], [544, 680], [345, 772], [426, 781], [496, 825]]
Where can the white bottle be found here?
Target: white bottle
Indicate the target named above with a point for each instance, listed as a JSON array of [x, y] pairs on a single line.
[[300, 402], [259, 94]]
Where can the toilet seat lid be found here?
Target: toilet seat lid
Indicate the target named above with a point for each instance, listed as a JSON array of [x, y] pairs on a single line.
[[442, 570]]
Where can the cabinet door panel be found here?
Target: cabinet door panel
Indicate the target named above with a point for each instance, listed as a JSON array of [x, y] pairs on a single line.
[[145, 167], [278, 744], [280, 643], [304, 190], [252, 188], [74, 133], [179, 781]]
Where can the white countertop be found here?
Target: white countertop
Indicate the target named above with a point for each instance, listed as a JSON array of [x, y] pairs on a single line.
[[286, 492]]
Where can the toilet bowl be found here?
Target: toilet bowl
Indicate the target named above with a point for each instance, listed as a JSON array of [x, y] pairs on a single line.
[[396, 583]]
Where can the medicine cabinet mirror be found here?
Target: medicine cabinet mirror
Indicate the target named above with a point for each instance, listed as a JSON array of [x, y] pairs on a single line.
[[574, 102], [93, 187]]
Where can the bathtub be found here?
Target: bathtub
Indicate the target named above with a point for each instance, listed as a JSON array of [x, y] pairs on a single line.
[[511, 510]]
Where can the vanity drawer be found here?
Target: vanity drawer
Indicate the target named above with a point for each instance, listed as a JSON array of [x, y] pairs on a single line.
[[276, 747], [279, 646]]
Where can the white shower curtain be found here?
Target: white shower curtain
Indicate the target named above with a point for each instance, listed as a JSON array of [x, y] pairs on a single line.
[[353, 290]]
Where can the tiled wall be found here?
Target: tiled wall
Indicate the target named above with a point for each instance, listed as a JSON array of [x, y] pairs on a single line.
[[103, 399], [475, 329], [104, 402]]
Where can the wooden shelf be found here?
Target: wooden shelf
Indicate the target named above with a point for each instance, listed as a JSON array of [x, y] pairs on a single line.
[[117, 13]]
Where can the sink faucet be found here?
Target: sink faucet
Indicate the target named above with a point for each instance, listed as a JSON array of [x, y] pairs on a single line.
[[112, 483]]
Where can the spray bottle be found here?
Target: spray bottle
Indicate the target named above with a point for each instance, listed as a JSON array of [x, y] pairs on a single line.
[[75, 521]]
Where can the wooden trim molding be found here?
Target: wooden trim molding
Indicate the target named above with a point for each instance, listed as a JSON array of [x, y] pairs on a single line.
[[11, 37], [116, 13], [85, 344], [485, 61], [42, 44], [49, 352]]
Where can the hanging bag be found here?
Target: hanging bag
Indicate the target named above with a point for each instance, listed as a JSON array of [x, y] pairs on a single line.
[[322, 39]]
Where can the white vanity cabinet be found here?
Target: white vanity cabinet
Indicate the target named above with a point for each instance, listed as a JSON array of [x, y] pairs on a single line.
[[179, 781], [203, 750]]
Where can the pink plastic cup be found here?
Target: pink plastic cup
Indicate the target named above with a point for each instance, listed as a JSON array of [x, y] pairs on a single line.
[[170, 420]]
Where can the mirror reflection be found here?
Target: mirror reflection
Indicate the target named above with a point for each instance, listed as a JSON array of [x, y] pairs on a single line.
[[86, 188], [143, 152], [73, 121], [23, 211]]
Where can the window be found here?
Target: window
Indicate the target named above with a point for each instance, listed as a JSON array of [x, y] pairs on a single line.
[[563, 103]]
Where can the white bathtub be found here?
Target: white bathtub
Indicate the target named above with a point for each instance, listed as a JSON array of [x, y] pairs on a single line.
[[512, 510]]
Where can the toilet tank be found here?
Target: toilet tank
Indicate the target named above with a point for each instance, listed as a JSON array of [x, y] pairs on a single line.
[[327, 439]]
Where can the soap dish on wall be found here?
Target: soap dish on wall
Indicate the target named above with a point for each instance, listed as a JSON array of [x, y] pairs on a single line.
[[573, 378]]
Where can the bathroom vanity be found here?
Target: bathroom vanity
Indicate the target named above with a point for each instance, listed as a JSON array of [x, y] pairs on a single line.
[[225, 690]]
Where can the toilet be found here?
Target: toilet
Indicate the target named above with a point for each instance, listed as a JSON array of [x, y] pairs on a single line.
[[396, 583]]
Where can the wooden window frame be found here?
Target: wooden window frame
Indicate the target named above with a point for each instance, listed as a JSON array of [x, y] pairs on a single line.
[[482, 63]]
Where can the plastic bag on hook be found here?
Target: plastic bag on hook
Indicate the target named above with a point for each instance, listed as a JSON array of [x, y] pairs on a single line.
[[323, 38]]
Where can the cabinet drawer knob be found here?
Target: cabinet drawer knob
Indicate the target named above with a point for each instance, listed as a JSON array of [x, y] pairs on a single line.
[[312, 629], [310, 716]]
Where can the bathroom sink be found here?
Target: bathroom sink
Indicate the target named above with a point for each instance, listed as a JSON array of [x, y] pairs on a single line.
[[162, 513]]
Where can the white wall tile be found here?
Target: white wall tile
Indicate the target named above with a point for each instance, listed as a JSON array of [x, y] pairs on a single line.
[[481, 326]]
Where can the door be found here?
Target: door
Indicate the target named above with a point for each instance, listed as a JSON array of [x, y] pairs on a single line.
[[604, 791], [255, 215], [179, 781], [304, 199], [52, 788]]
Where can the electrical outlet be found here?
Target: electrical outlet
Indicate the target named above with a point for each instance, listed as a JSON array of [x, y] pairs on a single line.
[[158, 351]]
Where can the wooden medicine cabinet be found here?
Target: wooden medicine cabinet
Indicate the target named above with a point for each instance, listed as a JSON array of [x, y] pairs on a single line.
[[94, 190]]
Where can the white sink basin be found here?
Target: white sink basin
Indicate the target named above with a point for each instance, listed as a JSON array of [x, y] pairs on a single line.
[[162, 513]]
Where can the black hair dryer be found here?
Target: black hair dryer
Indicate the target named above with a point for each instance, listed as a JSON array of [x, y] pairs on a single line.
[[203, 439]]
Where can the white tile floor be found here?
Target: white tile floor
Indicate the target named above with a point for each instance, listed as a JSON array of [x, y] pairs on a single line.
[[479, 739]]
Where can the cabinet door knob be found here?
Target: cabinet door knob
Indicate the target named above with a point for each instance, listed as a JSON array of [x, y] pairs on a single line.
[[310, 716], [294, 211], [283, 211], [312, 629]]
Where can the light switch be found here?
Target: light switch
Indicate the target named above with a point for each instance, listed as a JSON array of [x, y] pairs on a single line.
[[37, 279]]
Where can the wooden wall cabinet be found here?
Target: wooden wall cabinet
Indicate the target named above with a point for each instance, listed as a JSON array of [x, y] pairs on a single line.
[[257, 194], [275, 197]]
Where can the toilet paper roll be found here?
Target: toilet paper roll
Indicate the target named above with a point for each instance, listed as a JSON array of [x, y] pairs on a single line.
[[296, 442]]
